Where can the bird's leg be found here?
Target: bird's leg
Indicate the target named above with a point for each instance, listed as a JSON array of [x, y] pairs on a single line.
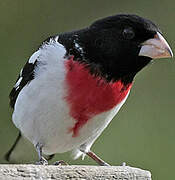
[[97, 159], [61, 162], [42, 160]]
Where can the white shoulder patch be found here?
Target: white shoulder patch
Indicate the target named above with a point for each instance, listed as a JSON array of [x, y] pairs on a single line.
[[56, 38], [34, 57]]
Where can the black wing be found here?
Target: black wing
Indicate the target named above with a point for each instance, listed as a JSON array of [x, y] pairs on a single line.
[[25, 76], [27, 73]]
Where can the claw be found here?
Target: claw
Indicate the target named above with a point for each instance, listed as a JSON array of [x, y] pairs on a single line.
[[42, 161], [61, 162]]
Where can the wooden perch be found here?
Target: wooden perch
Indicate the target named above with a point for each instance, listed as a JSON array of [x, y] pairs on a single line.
[[39, 172]]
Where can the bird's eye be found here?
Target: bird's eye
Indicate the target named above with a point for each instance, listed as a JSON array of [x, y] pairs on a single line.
[[128, 33]]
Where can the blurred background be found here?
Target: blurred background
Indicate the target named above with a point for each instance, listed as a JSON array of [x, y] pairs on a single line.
[[143, 132]]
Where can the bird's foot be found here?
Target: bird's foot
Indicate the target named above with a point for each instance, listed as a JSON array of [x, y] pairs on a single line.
[[42, 161], [61, 162]]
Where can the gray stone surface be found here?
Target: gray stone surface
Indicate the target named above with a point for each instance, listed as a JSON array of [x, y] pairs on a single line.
[[39, 172]]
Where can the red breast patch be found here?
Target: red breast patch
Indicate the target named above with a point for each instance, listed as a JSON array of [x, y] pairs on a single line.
[[88, 95]]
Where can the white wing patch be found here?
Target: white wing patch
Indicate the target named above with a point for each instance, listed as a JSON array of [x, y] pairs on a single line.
[[16, 86]]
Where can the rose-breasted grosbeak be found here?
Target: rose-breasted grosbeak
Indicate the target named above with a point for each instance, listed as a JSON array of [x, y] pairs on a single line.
[[76, 82]]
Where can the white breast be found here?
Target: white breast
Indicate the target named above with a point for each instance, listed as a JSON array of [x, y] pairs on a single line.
[[42, 114]]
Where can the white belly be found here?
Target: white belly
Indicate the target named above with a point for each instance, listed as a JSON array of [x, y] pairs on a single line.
[[42, 114]]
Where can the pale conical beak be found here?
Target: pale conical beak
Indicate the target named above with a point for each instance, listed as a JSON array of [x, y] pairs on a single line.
[[156, 47]]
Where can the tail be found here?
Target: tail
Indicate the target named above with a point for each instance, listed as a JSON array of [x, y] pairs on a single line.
[[22, 151]]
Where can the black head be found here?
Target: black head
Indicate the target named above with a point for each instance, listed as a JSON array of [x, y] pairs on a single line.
[[111, 46]]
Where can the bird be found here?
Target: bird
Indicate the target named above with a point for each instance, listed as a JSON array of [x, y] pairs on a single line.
[[74, 84]]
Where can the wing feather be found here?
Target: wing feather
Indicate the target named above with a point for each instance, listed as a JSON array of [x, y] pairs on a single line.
[[25, 76]]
